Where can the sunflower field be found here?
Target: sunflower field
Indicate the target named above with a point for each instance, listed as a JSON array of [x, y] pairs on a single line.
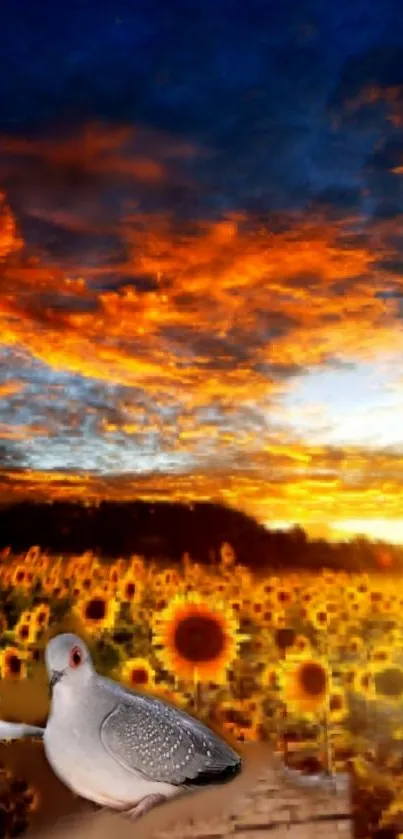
[[312, 663]]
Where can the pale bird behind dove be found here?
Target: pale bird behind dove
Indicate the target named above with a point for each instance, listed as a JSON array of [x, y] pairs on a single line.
[[119, 748]]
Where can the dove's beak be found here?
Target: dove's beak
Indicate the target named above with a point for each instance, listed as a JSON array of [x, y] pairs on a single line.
[[54, 679]]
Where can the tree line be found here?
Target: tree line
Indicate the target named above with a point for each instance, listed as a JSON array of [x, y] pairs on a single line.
[[165, 531]]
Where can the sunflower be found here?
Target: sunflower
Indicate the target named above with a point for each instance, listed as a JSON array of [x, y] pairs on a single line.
[[256, 609], [138, 672], [364, 683], [130, 588], [138, 566], [305, 685], [97, 611], [267, 590], [33, 555], [19, 578], [389, 683], [239, 719], [338, 708], [272, 616], [269, 678], [284, 597], [380, 654], [165, 692], [284, 638], [26, 630], [198, 640], [355, 644], [12, 664], [301, 646], [236, 605], [194, 574], [320, 618], [41, 615], [349, 678]]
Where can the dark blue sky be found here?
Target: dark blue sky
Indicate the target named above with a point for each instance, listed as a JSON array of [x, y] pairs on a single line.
[[258, 83]]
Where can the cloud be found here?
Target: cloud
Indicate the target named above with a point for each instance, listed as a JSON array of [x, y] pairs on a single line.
[[166, 346]]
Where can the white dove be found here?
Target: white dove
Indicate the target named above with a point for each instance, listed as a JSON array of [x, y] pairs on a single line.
[[121, 749]]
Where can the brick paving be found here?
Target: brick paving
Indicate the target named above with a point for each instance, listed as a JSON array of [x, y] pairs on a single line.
[[276, 807]]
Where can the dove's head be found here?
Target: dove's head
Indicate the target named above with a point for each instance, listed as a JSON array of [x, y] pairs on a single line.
[[68, 661]]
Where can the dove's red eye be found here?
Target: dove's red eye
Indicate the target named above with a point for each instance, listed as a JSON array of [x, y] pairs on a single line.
[[76, 657]]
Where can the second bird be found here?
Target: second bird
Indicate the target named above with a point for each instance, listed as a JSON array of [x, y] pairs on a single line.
[[122, 749]]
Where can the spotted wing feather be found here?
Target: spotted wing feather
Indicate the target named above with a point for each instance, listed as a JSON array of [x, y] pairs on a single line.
[[148, 736]]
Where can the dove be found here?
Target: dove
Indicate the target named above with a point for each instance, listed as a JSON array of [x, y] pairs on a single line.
[[119, 748]]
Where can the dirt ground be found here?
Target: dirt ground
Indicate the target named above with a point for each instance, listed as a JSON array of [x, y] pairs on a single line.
[[258, 802]]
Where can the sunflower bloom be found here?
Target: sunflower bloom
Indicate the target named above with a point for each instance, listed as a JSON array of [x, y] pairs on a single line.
[[130, 588], [364, 683], [138, 566], [12, 664], [320, 618], [338, 708], [19, 578], [305, 685], [355, 644], [198, 640], [97, 611], [269, 678], [273, 617], [239, 721], [26, 630], [138, 672], [165, 692], [381, 654], [41, 615], [388, 683], [301, 647]]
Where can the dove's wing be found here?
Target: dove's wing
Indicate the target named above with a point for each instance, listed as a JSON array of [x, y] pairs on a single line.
[[147, 735]]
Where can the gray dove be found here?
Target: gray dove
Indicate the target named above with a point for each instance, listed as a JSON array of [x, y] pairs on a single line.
[[119, 748]]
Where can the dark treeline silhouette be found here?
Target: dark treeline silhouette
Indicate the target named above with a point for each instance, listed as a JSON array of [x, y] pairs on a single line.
[[165, 531]]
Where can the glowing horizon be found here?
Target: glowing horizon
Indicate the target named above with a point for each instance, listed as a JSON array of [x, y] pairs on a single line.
[[229, 359]]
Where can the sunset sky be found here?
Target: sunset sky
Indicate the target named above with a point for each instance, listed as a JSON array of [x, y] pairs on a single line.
[[201, 207]]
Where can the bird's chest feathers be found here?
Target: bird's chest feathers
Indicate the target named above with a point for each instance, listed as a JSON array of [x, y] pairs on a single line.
[[69, 737]]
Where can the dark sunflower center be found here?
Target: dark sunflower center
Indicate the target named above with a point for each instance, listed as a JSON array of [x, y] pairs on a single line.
[[336, 703], [139, 676], [14, 665], [285, 638], [199, 638], [95, 609], [130, 590], [389, 682], [313, 679]]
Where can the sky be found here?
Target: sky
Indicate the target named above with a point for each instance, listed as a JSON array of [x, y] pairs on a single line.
[[201, 257]]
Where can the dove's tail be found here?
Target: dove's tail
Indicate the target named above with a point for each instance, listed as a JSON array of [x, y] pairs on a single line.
[[17, 730]]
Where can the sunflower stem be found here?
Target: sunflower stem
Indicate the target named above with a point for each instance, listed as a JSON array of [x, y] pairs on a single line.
[[326, 724], [198, 698]]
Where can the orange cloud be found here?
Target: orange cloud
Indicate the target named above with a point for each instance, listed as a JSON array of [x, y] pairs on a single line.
[[208, 323], [333, 486]]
